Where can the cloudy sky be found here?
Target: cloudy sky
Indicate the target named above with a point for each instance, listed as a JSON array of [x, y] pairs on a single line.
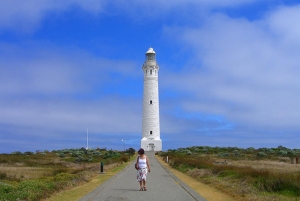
[[229, 72]]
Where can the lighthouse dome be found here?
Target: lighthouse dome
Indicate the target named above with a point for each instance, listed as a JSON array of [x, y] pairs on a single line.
[[150, 51]]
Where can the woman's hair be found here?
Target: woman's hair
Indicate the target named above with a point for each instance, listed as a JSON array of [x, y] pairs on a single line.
[[141, 151]]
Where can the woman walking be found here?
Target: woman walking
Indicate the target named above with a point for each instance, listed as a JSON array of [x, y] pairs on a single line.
[[143, 167]]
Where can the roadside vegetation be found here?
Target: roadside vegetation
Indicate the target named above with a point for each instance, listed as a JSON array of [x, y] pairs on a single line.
[[38, 175], [244, 174]]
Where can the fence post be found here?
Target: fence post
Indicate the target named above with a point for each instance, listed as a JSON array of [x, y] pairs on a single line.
[[101, 168]]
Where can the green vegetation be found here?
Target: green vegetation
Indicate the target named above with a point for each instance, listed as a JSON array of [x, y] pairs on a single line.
[[211, 165], [36, 176]]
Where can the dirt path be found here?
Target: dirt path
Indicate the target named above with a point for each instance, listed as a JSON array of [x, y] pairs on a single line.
[[208, 192]]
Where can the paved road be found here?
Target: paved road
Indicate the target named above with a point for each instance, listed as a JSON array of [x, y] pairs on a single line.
[[161, 184]]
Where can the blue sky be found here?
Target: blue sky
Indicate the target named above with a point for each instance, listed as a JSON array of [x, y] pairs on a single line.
[[229, 72]]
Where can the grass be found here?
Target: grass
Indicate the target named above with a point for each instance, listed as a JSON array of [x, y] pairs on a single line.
[[38, 176], [77, 192], [244, 176], [262, 179]]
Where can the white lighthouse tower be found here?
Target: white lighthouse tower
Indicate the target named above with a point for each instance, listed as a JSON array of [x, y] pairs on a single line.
[[151, 129]]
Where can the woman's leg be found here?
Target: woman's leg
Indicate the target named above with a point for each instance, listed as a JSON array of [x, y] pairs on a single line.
[[141, 186], [144, 184]]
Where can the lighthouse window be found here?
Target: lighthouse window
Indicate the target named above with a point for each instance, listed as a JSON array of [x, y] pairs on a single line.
[[146, 72], [151, 102], [151, 57], [150, 132], [150, 72]]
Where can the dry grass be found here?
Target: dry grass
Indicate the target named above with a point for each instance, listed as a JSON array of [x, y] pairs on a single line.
[[244, 179], [236, 189], [21, 173], [267, 164]]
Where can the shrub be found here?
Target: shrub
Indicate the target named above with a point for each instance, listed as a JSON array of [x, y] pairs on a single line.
[[59, 170], [16, 153], [111, 154], [277, 183], [64, 177], [26, 190], [205, 151], [97, 153], [261, 154], [236, 153], [28, 153], [282, 152], [124, 158], [62, 155], [250, 149], [4, 190], [224, 155], [3, 175]]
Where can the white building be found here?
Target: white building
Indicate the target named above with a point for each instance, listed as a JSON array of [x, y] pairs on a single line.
[[151, 129]]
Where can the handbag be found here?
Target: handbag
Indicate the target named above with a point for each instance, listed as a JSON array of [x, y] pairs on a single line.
[[136, 166]]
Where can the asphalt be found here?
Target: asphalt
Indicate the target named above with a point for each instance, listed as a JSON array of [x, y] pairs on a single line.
[[161, 185]]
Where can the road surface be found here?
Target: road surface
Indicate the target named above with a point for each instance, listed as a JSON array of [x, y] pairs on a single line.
[[162, 185]]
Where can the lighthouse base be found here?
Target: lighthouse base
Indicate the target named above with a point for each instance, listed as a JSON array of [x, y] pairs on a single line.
[[151, 145]]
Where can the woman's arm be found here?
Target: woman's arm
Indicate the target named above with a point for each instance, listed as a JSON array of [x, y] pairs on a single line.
[[148, 166]]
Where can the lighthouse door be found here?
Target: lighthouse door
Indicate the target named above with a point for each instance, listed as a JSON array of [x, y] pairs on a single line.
[[151, 147]]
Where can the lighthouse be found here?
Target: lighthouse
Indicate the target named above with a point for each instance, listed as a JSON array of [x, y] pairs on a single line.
[[151, 128]]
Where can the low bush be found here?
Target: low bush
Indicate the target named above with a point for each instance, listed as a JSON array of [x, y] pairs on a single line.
[[124, 159], [261, 154], [59, 170], [288, 183]]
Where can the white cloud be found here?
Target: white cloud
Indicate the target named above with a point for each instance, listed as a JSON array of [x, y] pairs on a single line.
[[48, 92], [243, 70], [25, 16], [284, 24], [50, 70], [103, 116], [165, 4]]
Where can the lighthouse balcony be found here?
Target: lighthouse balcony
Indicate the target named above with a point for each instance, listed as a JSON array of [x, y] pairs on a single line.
[[150, 63]]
